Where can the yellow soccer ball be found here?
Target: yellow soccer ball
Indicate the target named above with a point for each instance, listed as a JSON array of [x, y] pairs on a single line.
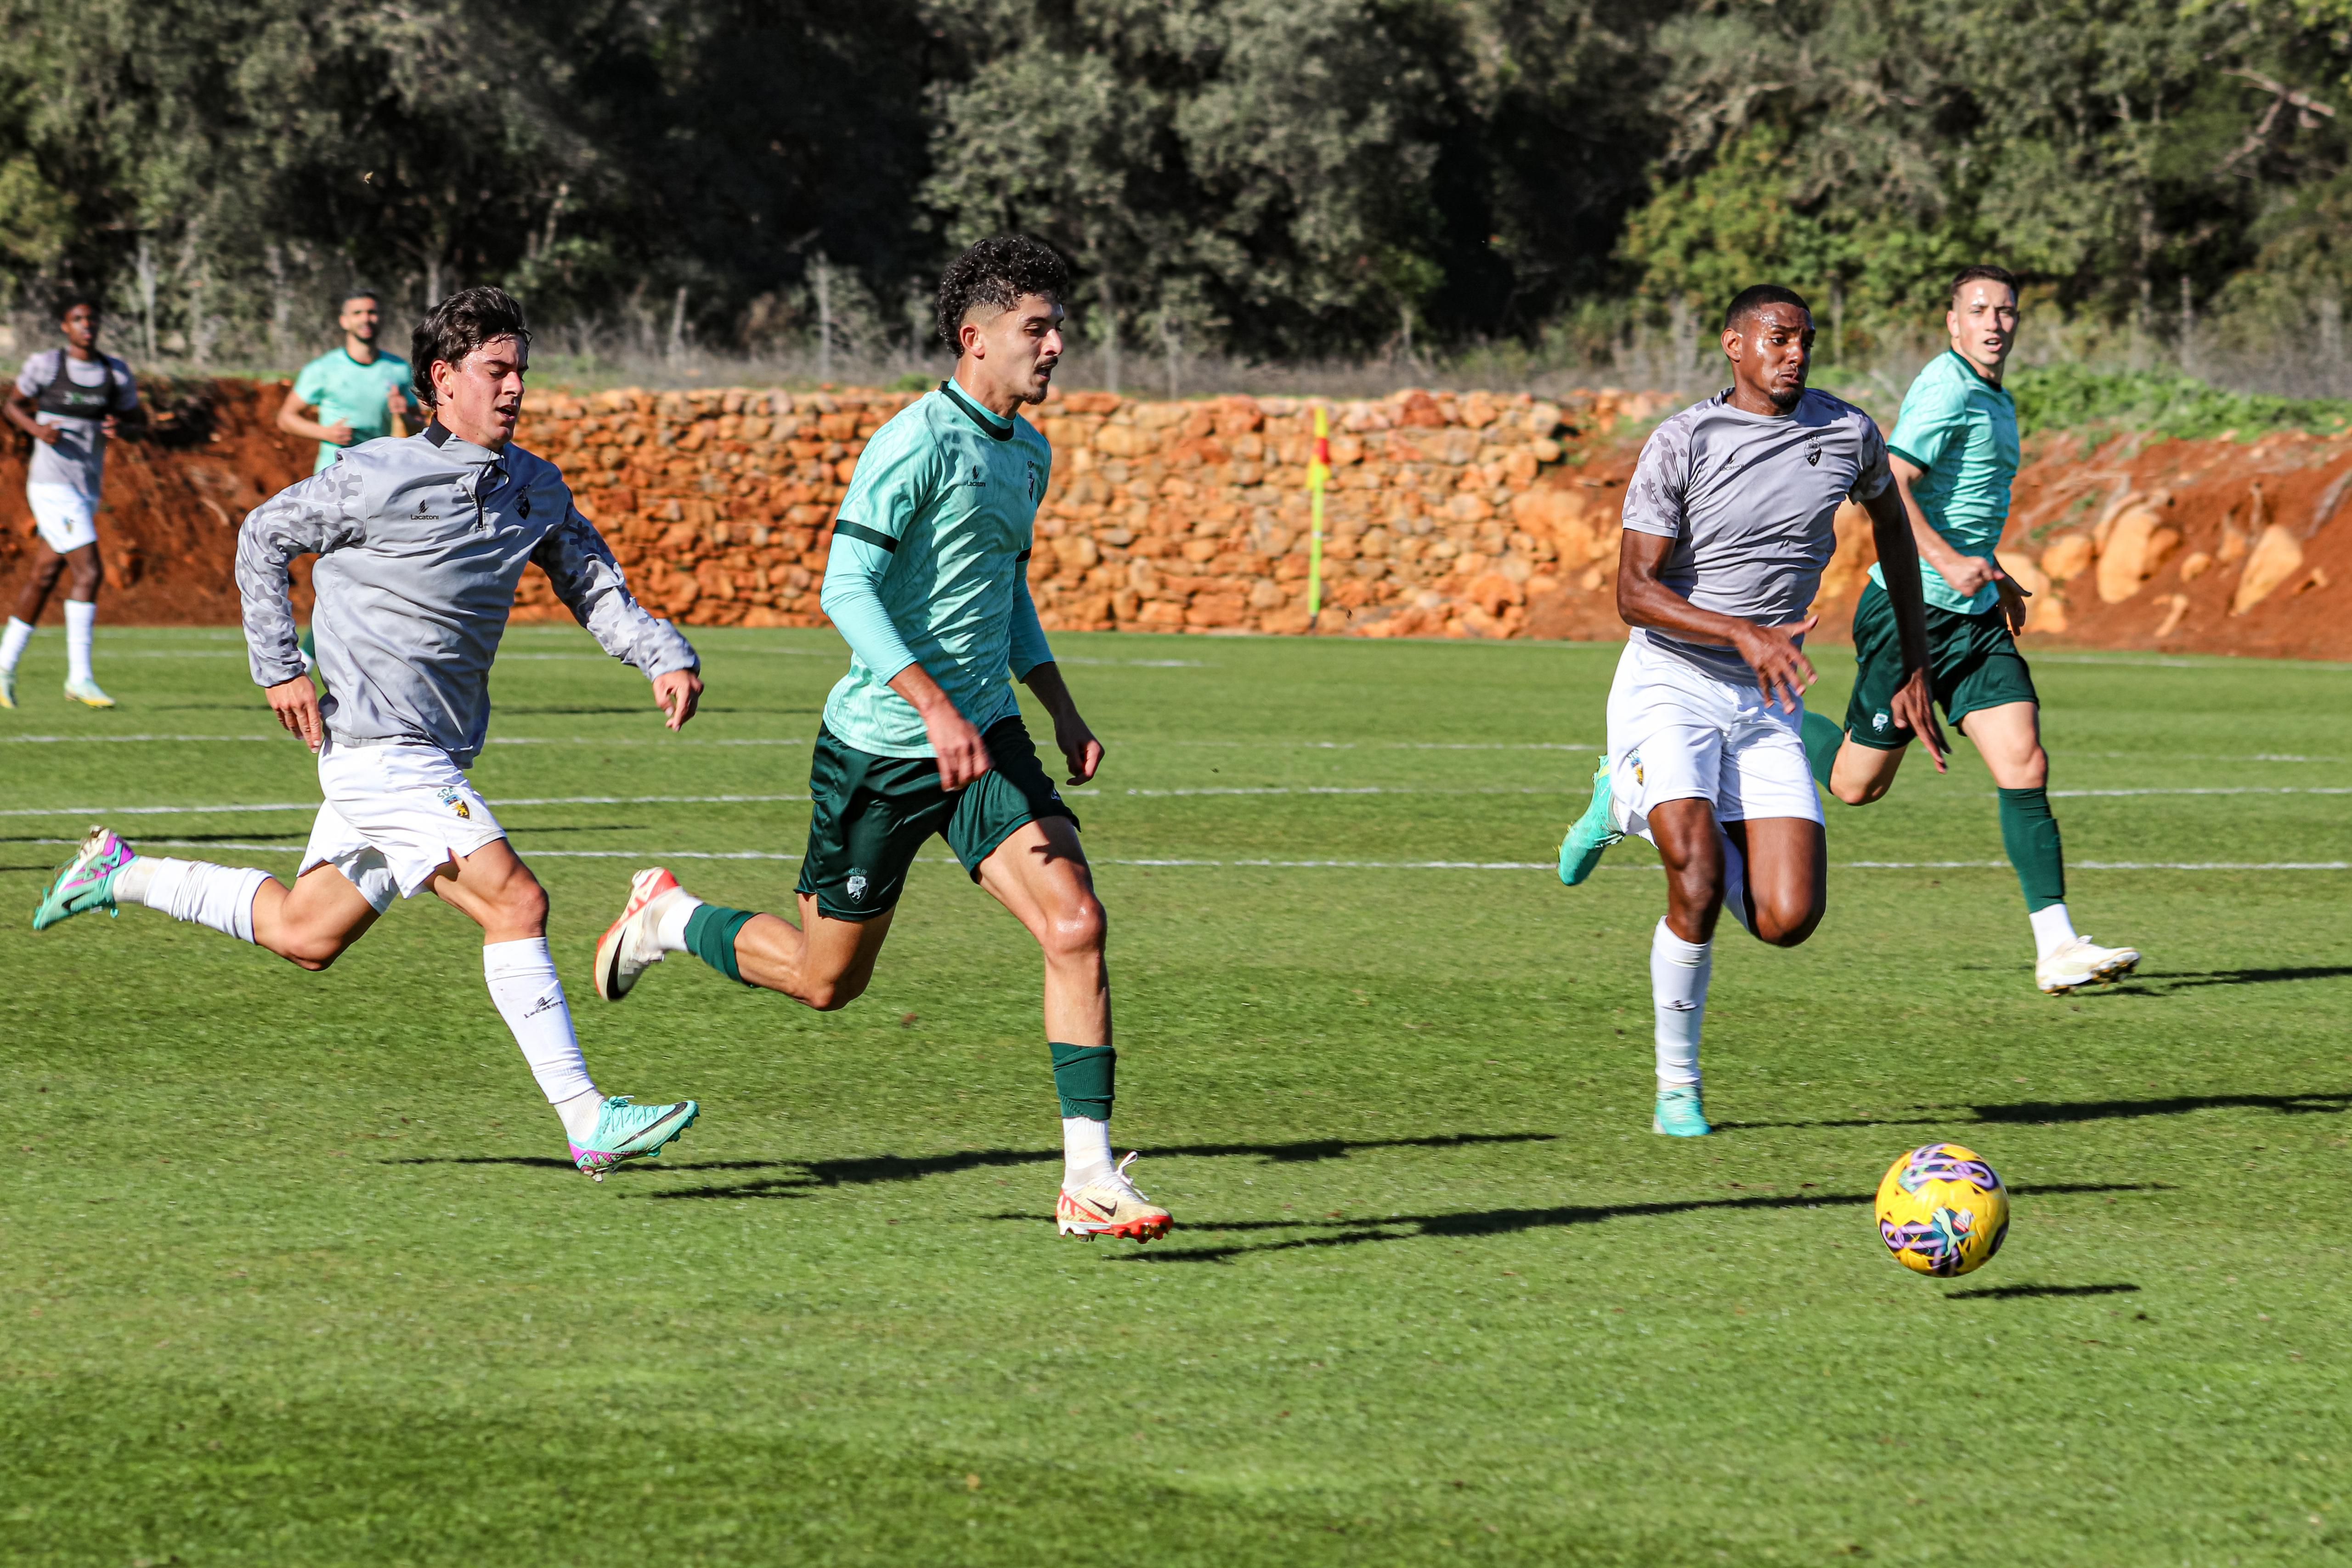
[[1941, 1210]]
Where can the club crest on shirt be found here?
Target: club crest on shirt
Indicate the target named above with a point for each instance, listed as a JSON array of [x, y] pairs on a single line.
[[1036, 489], [454, 799], [855, 886], [1813, 453]]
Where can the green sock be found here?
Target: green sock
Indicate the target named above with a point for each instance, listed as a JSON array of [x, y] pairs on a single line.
[[710, 937], [2030, 833], [1823, 739], [1082, 1076]]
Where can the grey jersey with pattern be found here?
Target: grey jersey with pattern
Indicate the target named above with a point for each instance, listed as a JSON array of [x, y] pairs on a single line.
[[421, 540], [1750, 502]]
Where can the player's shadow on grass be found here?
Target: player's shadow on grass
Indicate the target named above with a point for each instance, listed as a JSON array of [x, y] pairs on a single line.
[[2050, 1111], [804, 1176], [2160, 984], [1506, 1221], [233, 838], [2010, 1292]]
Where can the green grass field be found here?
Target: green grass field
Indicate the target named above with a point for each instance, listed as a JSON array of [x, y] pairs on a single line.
[[299, 1277]]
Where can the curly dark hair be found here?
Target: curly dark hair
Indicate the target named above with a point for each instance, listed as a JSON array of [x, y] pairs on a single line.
[[456, 326], [998, 271]]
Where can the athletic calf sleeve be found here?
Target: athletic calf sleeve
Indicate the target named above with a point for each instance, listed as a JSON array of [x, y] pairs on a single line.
[[220, 896], [710, 933], [13, 641], [1083, 1076], [521, 977], [1679, 973], [2030, 833], [1823, 739]]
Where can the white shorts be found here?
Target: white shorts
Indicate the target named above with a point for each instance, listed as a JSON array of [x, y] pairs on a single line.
[[1678, 733], [395, 816], [66, 518]]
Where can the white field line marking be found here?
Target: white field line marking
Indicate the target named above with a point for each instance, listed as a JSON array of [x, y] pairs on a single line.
[[656, 857], [2217, 790], [119, 739], [313, 805]]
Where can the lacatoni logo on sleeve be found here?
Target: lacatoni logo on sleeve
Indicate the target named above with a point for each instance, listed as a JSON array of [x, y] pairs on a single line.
[[455, 798]]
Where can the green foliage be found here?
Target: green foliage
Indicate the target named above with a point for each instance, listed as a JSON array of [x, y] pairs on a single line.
[[298, 1277], [2076, 397]]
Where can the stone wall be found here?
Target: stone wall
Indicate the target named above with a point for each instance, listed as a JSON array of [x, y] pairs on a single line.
[[1461, 516]]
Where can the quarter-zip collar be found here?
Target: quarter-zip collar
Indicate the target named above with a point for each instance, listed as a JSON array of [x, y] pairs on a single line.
[[490, 467]]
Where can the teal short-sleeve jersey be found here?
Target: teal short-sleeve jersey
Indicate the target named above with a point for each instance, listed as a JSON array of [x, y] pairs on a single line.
[[343, 389], [929, 566], [1960, 430]]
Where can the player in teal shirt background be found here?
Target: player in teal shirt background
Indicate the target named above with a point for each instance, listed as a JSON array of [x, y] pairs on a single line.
[[355, 394], [1955, 456], [928, 582]]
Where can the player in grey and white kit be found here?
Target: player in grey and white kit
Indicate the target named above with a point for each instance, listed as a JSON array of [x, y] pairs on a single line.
[[1729, 518], [68, 400], [420, 543]]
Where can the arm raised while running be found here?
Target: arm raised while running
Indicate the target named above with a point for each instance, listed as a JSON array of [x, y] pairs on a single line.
[[580, 565], [307, 518]]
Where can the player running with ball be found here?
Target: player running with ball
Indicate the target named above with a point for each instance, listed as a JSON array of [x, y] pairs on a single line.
[[1955, 454], [1729, 518], [420, 543], [928, 582]]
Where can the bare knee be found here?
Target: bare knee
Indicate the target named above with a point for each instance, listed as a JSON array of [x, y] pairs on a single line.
[[88, 578], [313, 950], [1787, 925], [1862, 793], [1077, 930], [832, 995], [522, 905]]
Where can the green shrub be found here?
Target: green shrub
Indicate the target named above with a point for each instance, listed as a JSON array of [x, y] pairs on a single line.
[[2075, 397]]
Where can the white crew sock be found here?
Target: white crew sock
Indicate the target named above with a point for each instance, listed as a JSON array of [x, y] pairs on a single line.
[[1679, 972], [1735, 880], [669, 930], [220, 896], [82, 616], [521, 977], [2052, 929], [1085, 1151], [13, 641]]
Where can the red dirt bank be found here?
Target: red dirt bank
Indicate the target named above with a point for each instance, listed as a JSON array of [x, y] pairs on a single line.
[[2206, 545]]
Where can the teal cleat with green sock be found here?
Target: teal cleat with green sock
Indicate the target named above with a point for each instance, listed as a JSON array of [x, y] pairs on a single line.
[[1594, 832], [1679, 1114]]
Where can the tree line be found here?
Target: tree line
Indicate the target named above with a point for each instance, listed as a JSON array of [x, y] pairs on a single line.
[[1269, 178]]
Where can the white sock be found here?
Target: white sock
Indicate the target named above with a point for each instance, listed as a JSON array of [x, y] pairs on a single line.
[[1679, 972], [521, 977], [580, 1115], [13, 641], [670, 929], [220, 896], [1735, 880], [2052, 929], [1085, 1151], [82, 615]]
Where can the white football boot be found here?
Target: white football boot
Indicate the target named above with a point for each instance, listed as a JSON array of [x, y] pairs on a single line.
[[90, 694], [631, 945], [1110, 1206], [2082, 962]]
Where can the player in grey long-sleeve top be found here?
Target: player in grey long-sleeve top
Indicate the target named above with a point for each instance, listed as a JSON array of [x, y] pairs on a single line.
[[421, 541]]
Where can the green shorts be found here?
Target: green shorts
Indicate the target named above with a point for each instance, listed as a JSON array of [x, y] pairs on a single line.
[[1972, 663], [874, 812]]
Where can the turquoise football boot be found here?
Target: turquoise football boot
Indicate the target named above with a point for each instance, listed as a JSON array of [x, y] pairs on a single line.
[[86, 882], [626, 1131], [1593, 834], [1679, 1114]]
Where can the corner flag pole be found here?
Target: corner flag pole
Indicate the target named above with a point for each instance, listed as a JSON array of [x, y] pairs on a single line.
[[1318, 475]]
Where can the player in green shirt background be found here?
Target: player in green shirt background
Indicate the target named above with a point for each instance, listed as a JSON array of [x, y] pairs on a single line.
[[357, 393], [1955, 454], [928, 582]]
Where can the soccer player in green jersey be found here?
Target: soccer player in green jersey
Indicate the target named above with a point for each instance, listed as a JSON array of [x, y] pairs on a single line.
[[357, 393], [1955, 454], [928, 582]]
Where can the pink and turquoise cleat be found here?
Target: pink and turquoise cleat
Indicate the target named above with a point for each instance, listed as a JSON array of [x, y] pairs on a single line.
[[626, 1131], [86, 882]]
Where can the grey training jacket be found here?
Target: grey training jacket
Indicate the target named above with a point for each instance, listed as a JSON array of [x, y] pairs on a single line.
[[421, 540]]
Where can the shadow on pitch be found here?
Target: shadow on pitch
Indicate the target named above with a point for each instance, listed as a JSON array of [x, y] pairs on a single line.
[[871, 1168], [2161, 985], [2011, 1293], [2052, 1111], [1507, 1221]]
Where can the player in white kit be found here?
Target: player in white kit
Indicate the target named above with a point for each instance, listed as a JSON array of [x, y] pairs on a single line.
[[1729, 518]]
